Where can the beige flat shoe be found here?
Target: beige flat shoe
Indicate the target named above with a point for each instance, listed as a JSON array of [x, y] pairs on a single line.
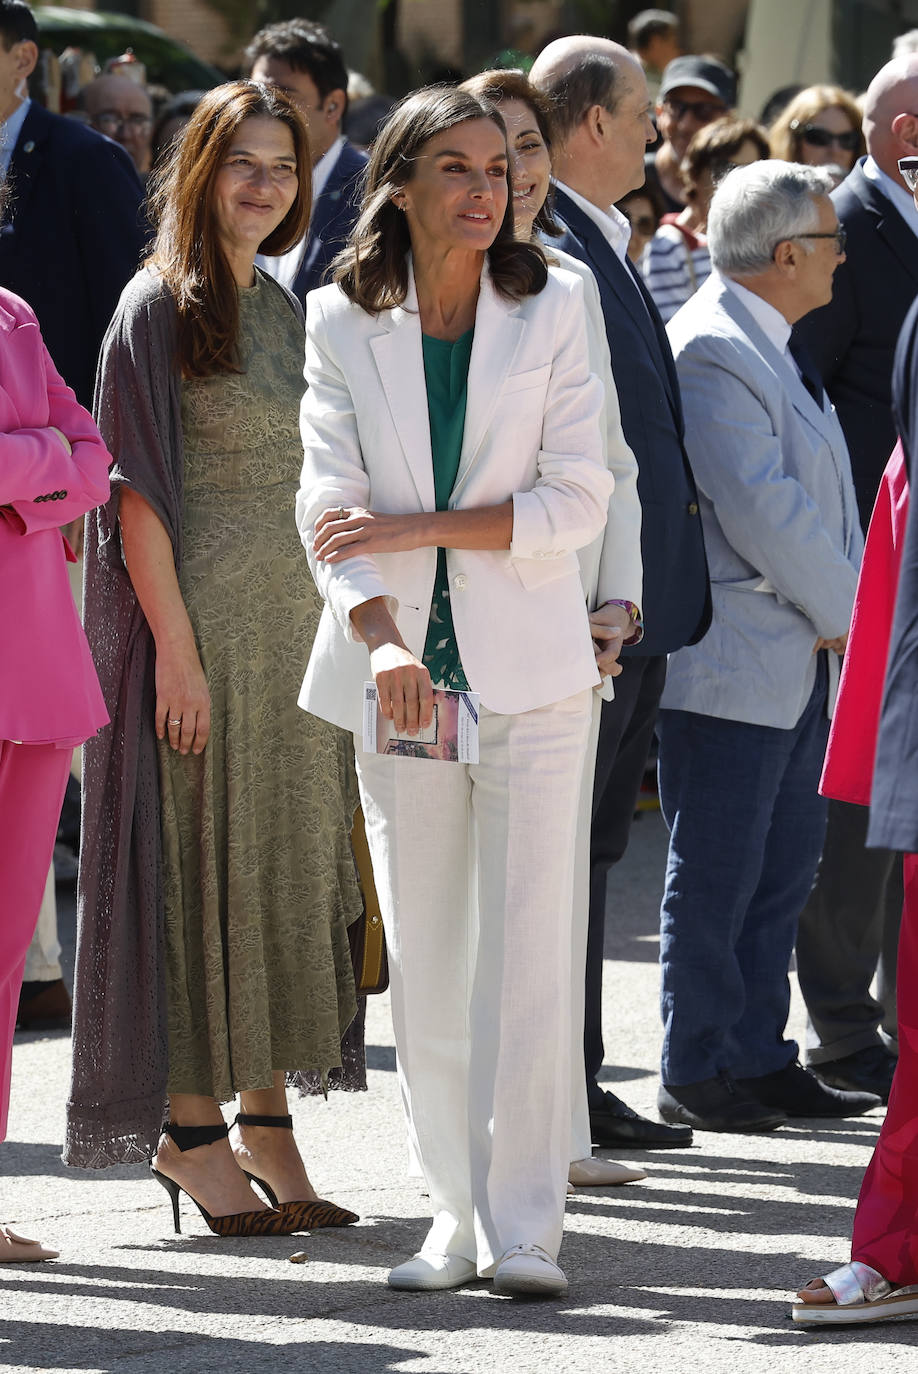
[[17, 1250], [601, 1173]]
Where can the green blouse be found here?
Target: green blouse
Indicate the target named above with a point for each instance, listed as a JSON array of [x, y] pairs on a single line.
[[446, 372]]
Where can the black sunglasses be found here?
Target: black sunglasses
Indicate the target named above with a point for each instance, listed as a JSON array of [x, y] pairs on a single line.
[[644, 224], [908, 166], [704, 111], [824, 138]]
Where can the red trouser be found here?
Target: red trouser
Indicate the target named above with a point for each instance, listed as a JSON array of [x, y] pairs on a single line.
[[32, 782], [886, 1222]]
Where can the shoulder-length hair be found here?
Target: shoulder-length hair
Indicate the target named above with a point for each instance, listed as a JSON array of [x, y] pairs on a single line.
[[805, 106], [372, 270], [498, 85], [187, 250]]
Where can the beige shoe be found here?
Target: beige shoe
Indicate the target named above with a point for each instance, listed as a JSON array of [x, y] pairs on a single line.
[[17, 1250], [601, 1173]]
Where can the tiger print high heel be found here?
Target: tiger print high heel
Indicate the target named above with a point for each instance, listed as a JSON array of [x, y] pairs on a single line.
[[310, 1216], [269, 1221]]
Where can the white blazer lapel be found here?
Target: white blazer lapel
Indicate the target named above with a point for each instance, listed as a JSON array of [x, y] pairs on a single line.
[[400, 363], [498, 332]]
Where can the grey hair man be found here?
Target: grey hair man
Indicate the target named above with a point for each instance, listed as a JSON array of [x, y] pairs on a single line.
[[849, 926], [747, 743], [599, 95]]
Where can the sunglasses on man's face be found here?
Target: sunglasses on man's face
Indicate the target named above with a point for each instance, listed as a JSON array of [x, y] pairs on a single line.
[[908, 166], [818, 137], [702, 111]]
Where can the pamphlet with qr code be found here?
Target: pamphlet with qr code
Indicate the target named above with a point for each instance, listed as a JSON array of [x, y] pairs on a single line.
[[451, 737]]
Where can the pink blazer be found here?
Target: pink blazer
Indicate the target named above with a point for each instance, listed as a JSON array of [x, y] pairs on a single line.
[[49, 692]]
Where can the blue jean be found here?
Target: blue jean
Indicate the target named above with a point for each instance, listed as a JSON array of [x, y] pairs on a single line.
[[746, 827]]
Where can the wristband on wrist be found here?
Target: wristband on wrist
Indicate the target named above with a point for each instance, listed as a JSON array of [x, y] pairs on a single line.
[[634, 615]]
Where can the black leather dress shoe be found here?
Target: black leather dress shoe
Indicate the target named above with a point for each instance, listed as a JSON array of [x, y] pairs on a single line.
[[717, 1104], [617, 1125], [798, 1092], [869, 1070]]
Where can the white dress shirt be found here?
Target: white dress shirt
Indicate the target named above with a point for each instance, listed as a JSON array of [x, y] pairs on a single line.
[[284, 269], [614, 226], [771, 322]]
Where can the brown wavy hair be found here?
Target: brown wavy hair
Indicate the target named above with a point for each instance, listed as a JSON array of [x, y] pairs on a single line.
[[187, 250], [372, 270], [805, 106], [498, 85]]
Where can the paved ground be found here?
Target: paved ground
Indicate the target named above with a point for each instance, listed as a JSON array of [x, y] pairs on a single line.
[[688, 1271]]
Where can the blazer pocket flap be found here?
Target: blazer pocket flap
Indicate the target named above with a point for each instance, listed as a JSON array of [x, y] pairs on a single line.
[[536, 572], [527, 381]]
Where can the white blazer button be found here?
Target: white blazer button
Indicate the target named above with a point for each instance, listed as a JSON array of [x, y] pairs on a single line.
[[460, 582]]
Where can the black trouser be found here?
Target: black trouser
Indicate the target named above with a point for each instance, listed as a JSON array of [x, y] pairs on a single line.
[[849, 930], [625, 735]]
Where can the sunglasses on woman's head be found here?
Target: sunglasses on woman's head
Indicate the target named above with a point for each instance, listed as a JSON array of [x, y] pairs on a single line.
[[817, 137]]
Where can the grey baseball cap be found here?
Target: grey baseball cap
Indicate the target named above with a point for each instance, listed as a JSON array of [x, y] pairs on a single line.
[[704, 72]]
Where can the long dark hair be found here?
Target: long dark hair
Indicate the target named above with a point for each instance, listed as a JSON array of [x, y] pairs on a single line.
[[372, 270], [187, 250], [498, 85]]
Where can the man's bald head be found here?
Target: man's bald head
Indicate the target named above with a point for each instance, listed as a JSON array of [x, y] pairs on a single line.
[[891, 113], [581, 71]]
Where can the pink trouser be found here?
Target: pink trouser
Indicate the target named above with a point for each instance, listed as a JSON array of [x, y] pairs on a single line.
[[886, 1222], [32, 782]]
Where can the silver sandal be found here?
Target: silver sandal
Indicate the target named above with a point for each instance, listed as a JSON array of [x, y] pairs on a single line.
[[861, 1295]]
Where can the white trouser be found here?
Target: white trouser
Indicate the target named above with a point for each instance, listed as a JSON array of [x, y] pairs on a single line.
[[581, 1142], [41, 965], [474, 866]]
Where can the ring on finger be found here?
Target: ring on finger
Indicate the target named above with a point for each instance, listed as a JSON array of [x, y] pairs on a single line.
[[176, 722], [342, 513]]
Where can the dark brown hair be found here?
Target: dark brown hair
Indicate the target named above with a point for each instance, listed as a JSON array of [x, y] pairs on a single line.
[[498, 85], [372, 270], [713, 146], [187, 250]]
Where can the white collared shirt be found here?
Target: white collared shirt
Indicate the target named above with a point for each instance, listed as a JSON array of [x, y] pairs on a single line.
[[285, 268], [771, 322], [612, 224], [897, 195], [10, 130]]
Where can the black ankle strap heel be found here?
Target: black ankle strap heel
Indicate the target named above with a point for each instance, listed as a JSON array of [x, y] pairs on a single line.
[[248, 1119], [190, 1137]]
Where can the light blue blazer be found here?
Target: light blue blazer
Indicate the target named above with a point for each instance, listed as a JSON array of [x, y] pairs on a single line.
[[779, 514]]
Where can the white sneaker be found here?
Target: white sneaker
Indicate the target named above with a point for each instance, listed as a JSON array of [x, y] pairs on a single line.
[[602, 1173], [430, 1270], [529, 1271]]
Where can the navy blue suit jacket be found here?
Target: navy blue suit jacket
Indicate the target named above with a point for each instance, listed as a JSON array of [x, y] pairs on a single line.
[[71, 237], [852, 339], [333, 217], [677, 592]]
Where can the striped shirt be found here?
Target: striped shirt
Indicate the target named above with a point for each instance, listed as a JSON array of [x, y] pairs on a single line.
[[675, 264]]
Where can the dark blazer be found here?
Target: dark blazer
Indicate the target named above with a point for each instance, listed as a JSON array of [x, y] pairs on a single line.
[[71, 236], [333, 217], [677, 592], [894, 797], [853, 339]]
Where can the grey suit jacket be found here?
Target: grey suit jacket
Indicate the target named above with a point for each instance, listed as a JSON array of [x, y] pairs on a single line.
[[779, 516]]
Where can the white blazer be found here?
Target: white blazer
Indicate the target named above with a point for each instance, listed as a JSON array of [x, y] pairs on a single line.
[[532, 434]]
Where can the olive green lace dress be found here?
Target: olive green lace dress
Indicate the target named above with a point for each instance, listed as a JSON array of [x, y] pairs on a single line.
[[259, 882]]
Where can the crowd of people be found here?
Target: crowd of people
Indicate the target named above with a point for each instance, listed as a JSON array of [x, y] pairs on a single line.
[[590, 438]]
